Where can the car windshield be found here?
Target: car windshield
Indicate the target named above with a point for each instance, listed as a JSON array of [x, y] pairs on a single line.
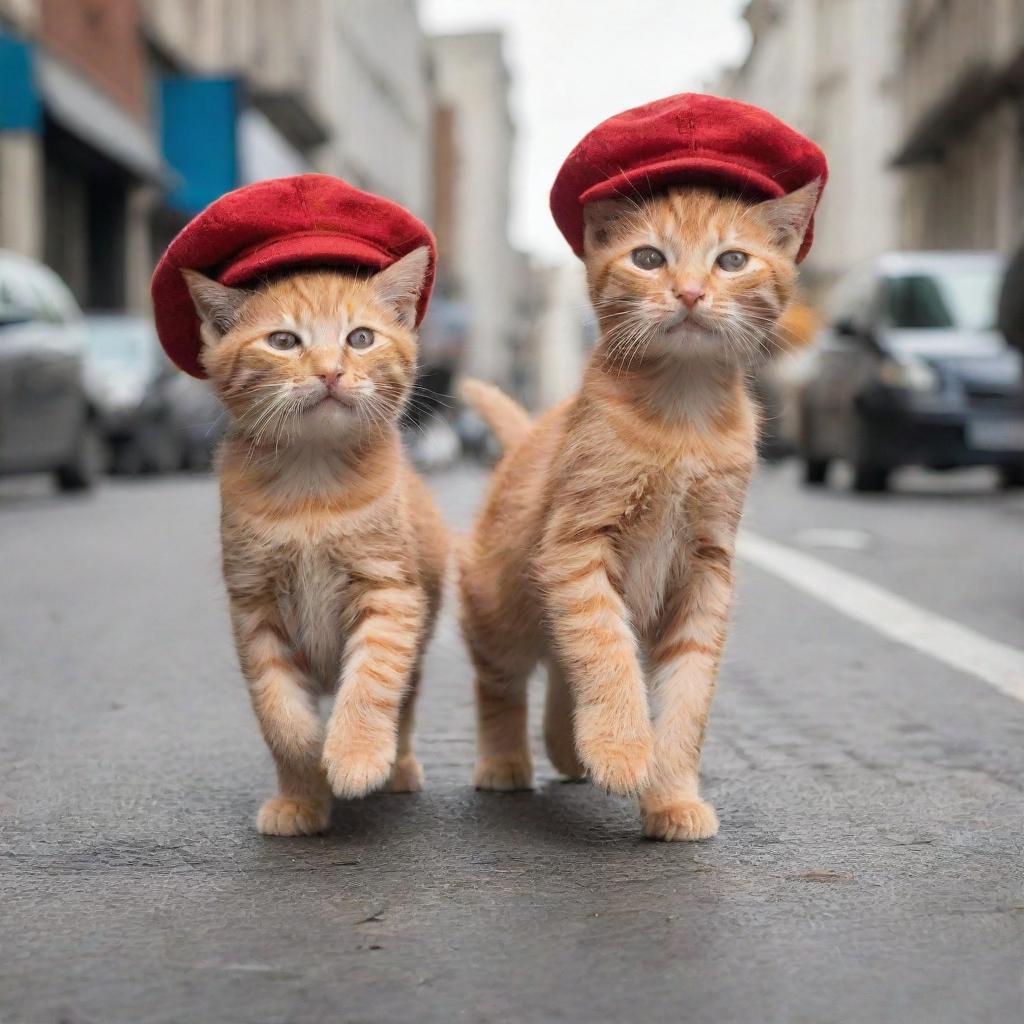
[[120, 344], [962, 298]]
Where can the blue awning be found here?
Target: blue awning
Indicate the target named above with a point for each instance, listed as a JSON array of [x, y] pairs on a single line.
[[20, 109], [199, 136]]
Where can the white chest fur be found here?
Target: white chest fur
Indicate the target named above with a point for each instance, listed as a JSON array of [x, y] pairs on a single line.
[[313, 603], [651, 546]]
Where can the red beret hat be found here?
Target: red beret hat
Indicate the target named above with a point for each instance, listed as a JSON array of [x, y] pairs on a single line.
[[306, 220], [681, 140]]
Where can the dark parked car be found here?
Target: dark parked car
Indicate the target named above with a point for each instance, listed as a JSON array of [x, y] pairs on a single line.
[[47, 423], [912, 372], [155, 419]]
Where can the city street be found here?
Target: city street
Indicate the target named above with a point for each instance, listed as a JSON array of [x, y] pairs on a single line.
[[869, 867]]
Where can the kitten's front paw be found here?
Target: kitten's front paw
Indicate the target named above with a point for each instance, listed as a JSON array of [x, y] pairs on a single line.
[[284, 816], [504, 774], [681, 821], [406, 776], [357, 772], [357, 760], [617, 757]]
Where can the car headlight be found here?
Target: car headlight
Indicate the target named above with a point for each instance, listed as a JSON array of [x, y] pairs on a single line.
[[123, 395], [908, 374]]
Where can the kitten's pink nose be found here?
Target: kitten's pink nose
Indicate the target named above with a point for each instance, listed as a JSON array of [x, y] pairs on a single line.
[[330, 379], [690, 294]]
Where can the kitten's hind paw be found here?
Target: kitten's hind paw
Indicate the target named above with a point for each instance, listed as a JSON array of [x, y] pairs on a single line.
[[563, 756], [284, 816], [504, 774], [682, 821], [406, 776]]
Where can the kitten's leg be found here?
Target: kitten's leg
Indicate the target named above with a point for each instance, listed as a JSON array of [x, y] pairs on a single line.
[[286, 707], [598, 650], [559, 735], [502, 659], [407, 773], [503, 760], [362, 733], [684, 665], [302, 806]]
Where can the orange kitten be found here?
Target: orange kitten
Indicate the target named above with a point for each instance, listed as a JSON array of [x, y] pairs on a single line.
[[333, 550], [605, 546]]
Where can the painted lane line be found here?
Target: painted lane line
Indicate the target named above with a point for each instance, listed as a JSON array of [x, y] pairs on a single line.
[[846, 540], [998, 664]]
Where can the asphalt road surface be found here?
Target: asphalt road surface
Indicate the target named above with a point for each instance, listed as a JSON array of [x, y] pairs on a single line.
[[869, 867]]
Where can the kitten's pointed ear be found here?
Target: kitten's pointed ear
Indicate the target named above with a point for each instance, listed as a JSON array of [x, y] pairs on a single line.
[[600, 218], [401, 284], [217, 305], [789, 215]]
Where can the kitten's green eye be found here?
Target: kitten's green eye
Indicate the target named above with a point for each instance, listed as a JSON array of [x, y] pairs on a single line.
[[360, 338], [732, 260], [647, 258], [283, 341]]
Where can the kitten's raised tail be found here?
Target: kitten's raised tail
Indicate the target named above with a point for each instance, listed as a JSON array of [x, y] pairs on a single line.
[[505, 416]]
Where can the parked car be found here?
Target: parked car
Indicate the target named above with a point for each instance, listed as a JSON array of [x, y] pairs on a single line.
[[776, 383], [199, 416], [47, 422], [154, 419], [911, 371]]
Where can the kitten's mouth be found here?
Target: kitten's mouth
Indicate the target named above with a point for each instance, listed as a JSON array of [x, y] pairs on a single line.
[[331, 398], [686, 326]]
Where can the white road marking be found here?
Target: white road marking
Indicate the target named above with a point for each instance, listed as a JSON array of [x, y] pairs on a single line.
[[847, 540], [998, 664]]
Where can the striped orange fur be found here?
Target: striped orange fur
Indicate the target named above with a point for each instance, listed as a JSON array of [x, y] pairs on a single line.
[[333, 551], [605, 544]]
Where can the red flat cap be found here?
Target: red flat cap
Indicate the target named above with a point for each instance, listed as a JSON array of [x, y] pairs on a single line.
[[306, 220], [683, 140]]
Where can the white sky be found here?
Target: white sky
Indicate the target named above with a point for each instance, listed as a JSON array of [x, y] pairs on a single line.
[[575, 62]]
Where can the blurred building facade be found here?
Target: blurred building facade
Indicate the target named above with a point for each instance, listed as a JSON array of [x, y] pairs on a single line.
[[121, 119], [960, 148], [475, 142], [830, 69], [124, 118], [320, 92], [564, 330], [78, 147], [919, 105]]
